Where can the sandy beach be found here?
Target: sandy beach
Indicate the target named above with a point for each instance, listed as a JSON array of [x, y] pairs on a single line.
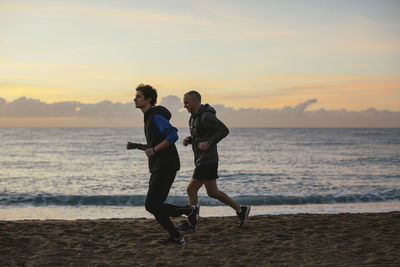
[[302, 239]]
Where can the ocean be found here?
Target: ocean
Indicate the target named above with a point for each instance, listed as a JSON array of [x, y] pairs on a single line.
[[87, 173]]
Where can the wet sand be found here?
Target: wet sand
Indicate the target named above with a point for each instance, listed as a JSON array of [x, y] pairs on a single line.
[[369, 239]]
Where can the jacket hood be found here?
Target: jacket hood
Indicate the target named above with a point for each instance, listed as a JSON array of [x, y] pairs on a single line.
[[163, 111], [206, 108]]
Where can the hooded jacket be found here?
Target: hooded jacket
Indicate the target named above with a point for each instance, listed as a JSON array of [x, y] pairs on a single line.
[[168, 158], [204, 126]]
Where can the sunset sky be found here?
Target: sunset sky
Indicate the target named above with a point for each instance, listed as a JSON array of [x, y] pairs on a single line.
[[260, 54]]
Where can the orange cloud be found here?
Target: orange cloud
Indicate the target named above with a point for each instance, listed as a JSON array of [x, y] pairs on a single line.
[[354, 92], [332, 91]]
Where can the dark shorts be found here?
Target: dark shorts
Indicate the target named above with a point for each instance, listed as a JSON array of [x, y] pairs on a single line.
[[206, 172]]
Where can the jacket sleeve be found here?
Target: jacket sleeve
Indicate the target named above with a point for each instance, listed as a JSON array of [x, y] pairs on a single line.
[[164, 127], [214, 126]]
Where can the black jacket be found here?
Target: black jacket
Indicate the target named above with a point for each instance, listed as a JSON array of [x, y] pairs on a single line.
[[168, 158], [204, 126]]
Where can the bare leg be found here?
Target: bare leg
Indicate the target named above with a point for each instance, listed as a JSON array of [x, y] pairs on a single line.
[[192, 189], [214, 192]]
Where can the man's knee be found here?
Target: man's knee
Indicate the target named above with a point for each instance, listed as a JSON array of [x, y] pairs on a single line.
[[151, 207]]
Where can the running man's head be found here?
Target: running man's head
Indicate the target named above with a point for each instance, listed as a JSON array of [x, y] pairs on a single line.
[[192, 101], [146, 96]]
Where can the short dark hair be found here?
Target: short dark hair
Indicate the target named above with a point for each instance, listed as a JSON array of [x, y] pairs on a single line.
[[149, 92], [194, 94]]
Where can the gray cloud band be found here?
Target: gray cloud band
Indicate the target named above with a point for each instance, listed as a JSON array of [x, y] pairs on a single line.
[[296, 116]]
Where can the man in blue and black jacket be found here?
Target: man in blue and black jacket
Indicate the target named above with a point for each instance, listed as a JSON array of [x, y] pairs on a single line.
[[163, 160]]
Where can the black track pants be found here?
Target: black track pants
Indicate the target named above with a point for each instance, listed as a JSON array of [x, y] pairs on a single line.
[[159, 186]]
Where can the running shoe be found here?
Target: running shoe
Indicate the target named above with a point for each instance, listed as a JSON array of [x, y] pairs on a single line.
[[243, 215], [193, 218], [186, 227], [187, 210], [175, 240]]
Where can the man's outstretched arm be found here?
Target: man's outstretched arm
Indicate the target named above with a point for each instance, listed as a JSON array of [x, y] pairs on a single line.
[[136, 146]]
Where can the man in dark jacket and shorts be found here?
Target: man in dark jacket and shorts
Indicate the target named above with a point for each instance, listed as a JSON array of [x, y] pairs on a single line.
[[163, 160], [205, 132]]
